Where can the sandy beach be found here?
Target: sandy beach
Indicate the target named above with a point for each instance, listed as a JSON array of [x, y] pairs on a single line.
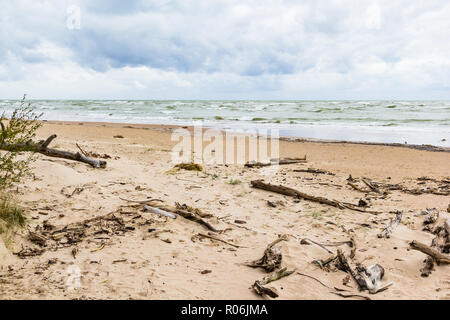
[[148, 256]]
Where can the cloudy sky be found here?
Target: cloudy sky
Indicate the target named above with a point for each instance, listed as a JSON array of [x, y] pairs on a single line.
[[225, 49]]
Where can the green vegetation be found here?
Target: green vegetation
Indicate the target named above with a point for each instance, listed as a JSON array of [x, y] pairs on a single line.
[[17, 132], [214, 176], [16, 136], [189, 167], [10, 214], [234, 182], [12, 217]]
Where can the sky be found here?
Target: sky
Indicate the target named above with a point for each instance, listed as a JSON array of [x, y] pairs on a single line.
[[225, 49]]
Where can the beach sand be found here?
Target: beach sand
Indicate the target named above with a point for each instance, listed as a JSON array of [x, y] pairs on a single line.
[[171, 265]]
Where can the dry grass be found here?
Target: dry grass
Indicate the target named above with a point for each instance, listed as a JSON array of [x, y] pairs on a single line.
[[12, 218]]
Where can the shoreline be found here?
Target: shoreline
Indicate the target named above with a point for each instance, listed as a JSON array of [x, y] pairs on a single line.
[[163, 127]]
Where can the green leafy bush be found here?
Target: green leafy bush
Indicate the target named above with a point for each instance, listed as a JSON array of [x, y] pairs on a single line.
[[16, 135]]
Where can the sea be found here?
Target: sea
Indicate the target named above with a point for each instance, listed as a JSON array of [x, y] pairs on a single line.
[[410, 122]]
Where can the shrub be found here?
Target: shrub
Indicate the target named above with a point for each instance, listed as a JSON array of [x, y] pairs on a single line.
[[16, 134]]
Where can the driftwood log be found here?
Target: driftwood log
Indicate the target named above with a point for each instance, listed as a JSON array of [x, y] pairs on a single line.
[[284, 161], [441, 188], [315, 171], [42, 147], [440, 258], [259, 184], [367, 279], [437, 253], [271, 260], [168, 211]]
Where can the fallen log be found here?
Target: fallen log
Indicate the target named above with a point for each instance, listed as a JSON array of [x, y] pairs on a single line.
[[42, 147], [437, 256], [285, 161], [315, 171], [259, 184]]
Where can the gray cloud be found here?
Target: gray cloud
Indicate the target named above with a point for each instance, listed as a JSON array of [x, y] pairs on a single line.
[[290, 49]]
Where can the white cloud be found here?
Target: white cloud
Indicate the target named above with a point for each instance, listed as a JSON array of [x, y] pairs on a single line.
[[267, 49]]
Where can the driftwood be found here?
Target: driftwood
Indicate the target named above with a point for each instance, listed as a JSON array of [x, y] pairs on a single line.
[[94, 154], [367, 279], [285, 161], [354, 186], [432, 215], [343, 295], [309, 241], [37, 238], [29, 252], [315, 171], [436, 255], [271, 260], [192, 215], [42, 147], [442, 240], [159, 211], [311, 277], [261, 290], [386, 233], [442, 187], [440, 245], [218, 239], [428, 268], [350, 295], [259, 285], [259, 184], [197, 211], [189, 216], [49, 237], [324, 246], [372, 186]]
